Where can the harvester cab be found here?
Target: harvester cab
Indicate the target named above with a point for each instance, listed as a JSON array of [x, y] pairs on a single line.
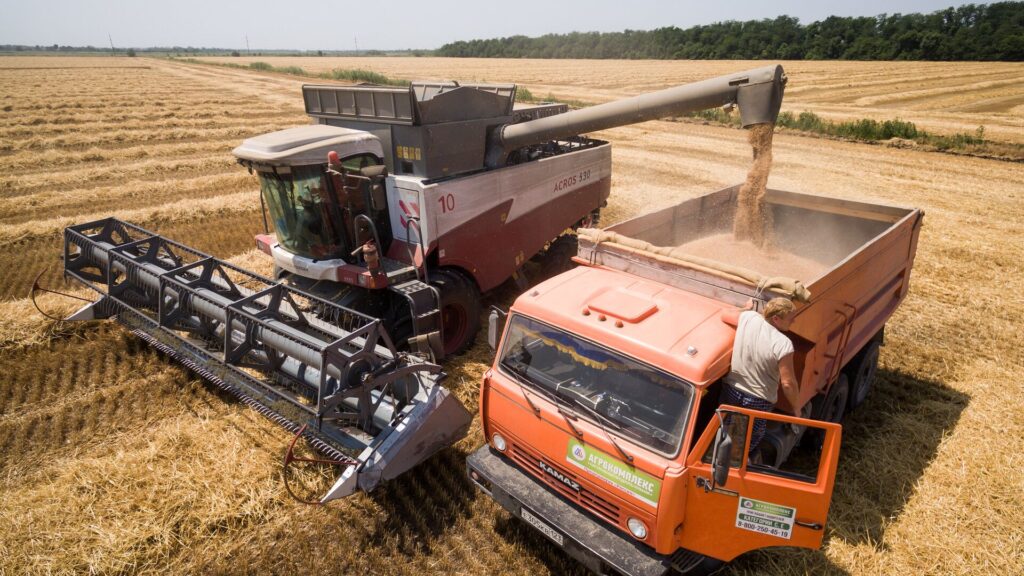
[[346, 208], [322, 187]]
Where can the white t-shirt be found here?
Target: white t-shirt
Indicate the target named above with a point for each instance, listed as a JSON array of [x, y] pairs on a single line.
[[755, 357]]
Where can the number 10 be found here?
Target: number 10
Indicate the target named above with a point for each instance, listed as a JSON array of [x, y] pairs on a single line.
[[447, 202]]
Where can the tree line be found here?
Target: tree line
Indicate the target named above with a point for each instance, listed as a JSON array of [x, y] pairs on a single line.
[[969, 32]]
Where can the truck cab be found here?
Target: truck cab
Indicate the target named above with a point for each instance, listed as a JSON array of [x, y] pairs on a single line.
[[607, 397], [602, 412]]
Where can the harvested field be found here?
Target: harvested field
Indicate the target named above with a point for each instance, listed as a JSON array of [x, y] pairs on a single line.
[[115, 460]]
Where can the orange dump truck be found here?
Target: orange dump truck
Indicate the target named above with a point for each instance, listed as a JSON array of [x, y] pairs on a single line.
[[601, 412]]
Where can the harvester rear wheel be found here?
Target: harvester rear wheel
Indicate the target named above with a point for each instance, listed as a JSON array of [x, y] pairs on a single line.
[[460, 309], [558, 257]]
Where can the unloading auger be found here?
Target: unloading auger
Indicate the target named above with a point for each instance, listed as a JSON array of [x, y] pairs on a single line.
[[322, 371]]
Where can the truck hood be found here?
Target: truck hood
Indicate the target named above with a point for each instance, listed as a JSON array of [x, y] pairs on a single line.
[[673, 329]]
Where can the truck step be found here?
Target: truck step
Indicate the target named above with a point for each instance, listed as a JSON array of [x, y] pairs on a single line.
[[683, 560]]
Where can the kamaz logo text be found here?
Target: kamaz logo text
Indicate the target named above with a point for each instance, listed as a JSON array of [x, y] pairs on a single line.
[[560, 477]]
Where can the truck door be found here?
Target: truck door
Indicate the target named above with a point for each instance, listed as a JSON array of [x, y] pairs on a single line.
[[758, 506]]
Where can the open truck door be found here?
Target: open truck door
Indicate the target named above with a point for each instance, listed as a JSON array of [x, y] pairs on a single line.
[[746, 505]]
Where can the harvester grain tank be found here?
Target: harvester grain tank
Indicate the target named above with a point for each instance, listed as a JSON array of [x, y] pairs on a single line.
[[385, 220]]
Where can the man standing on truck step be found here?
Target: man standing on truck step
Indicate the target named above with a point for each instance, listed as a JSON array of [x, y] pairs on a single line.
[[762, 361]]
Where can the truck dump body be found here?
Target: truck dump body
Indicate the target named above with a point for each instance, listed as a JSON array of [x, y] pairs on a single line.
[[848, 261]]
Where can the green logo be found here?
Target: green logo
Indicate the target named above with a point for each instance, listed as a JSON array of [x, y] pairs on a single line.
[[640, 484], [768, 508]]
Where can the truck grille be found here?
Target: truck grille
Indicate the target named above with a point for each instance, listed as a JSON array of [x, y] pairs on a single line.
[[584, 497]]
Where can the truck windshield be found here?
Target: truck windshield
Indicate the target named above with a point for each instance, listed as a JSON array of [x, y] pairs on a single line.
[[302, 213], [642, 403]]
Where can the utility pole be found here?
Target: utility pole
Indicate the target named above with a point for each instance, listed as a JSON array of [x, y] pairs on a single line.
[[356, 38], [111, 42], [247, 52]]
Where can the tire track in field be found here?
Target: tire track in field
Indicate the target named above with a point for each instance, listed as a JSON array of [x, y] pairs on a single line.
[[126, 195], [59, 164], [129, 137], [221, 235], [166, 123], [84, 179], [269, 88], [93, 388]]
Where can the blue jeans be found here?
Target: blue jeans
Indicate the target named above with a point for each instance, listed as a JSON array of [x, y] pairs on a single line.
[[735, 397]]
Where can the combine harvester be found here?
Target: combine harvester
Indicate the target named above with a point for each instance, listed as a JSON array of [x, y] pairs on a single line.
[[391, 214]]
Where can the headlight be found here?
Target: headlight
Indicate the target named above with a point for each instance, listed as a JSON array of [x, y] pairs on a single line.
[[637, 528], [499, 442]]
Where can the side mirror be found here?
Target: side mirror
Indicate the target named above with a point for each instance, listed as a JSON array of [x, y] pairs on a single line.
[[495, 326], [378, 194], [721, 458], [378, 197], [374, 171]]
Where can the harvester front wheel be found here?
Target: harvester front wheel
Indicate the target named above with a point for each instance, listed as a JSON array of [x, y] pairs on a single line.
[[398, 322], [460, 309]]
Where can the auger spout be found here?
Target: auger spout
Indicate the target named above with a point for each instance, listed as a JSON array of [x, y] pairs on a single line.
[[757, 92]]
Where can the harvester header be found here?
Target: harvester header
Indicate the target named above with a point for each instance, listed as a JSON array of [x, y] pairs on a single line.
[[317, 368]]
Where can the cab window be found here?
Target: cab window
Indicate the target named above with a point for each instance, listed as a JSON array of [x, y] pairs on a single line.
[[801, 464]]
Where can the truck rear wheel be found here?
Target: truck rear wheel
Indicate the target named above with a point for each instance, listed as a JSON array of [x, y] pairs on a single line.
[[828, 408], [460, 309], [862, 373], [836, 399]]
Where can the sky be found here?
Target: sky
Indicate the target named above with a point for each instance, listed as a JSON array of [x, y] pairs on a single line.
[[382, 25]]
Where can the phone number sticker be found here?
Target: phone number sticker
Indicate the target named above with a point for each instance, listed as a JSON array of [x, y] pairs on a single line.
[[765, 518]]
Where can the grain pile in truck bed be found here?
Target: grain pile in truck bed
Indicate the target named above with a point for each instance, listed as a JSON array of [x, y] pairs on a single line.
[[770, 261]]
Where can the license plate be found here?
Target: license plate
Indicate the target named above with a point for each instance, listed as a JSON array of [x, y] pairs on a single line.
[[544, 528]]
